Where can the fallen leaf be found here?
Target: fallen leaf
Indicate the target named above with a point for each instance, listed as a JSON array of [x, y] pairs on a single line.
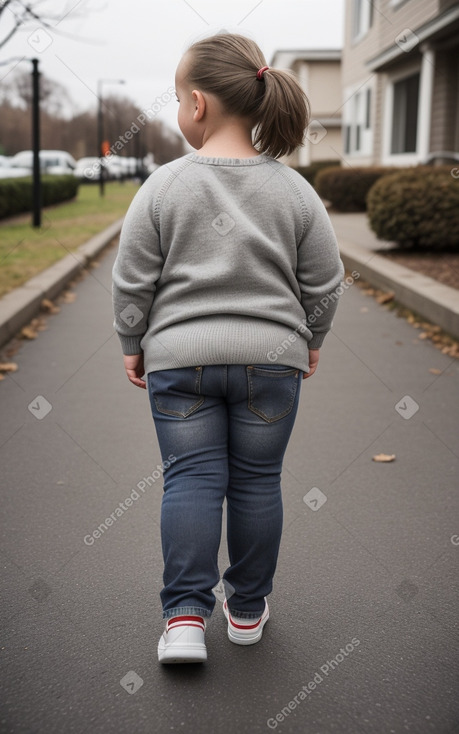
[[435, 371], [2, 377], [385, 297], [364, 309], [399, 343], [49, 306], [69, 297], [8, 367], [423, 335], [12, 350], [28, 333], [384, 457]]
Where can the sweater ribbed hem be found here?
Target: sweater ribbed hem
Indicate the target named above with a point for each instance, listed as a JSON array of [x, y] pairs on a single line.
[[231, 340]]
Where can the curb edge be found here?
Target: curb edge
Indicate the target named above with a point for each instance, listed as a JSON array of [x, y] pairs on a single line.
[[434, 301], [22, 304]]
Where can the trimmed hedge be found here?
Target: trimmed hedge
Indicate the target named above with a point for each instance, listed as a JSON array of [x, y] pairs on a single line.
[[417, 207], [16, 194], [347, 188], [310, 172]]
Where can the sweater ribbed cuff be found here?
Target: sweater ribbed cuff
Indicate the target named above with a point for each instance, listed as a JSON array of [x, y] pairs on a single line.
[[130, 344], [317, 340]]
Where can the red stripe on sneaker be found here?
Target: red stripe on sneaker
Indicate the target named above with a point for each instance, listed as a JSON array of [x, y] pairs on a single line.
[[244, 626], [185, 620]]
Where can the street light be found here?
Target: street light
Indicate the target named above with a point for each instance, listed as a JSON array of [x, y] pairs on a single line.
[[100, 128], [36, 173], [36, 144]]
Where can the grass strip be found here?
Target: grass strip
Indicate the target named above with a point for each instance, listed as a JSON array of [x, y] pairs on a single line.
[[25, 251]]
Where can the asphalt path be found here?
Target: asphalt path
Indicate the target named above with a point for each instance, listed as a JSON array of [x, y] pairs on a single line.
[[363, 633]]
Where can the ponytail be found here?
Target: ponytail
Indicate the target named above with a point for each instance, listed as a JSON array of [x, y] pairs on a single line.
[[283, 115], [226, 65]]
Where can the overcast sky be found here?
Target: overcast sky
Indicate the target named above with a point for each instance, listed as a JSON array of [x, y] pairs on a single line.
[[141, 41]]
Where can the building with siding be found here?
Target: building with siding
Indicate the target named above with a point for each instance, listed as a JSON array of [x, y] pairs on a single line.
[[400, 77], [319, 73]]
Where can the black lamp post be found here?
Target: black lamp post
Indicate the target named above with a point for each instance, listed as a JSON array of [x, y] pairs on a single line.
[[36, 173], [36, 144]]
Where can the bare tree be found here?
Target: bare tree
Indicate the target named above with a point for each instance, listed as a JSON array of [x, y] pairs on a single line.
[[163, 142], [120, 113], [54, 97], [78, 134], [15, 14]]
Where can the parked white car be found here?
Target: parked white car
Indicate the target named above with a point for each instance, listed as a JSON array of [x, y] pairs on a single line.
[[129, 164], [115, 167], [88, 168], [7, 171], [55, 162]]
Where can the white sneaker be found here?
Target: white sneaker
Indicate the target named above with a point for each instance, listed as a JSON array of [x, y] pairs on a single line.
[[183, 640], [245, 631]]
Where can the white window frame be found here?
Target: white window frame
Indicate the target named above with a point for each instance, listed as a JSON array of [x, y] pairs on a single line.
[[355, 115], [401, 159], [363, 21]]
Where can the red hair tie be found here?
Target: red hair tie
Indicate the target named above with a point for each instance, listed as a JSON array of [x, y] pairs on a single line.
[[261, 71]]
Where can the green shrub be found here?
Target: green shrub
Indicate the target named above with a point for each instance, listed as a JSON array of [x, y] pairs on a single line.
[[417, 207], [347, 188], [16, 194], [310, 172]]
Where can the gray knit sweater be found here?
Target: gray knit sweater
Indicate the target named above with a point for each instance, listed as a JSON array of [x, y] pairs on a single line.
[[225, 261]]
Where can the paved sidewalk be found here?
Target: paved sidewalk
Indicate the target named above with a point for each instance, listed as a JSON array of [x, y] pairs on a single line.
[[425, 296], [363, 632], [354, 227]]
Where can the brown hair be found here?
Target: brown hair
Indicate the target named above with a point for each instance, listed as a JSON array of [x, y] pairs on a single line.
[[226, 65]]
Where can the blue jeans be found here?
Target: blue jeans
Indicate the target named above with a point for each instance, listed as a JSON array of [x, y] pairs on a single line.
[[227, 429]]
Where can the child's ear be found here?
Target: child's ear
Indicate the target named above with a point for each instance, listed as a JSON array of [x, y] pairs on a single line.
[[199, 105]]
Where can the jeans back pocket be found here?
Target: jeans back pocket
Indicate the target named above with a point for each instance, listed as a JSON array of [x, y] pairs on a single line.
[[175, 392], [272, 390]]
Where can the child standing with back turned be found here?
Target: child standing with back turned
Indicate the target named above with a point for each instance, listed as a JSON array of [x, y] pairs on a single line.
[[224, 257]]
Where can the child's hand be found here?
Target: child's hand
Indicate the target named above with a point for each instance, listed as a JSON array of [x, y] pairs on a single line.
[[133, 364], [313, 362]]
